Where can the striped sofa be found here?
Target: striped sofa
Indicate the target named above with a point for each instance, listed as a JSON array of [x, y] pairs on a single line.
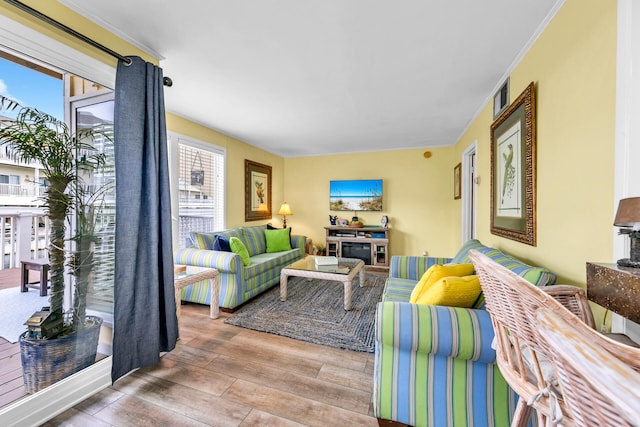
[[238, 283], [434, 365]]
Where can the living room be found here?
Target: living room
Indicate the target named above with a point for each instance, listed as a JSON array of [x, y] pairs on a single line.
[[585, 137]]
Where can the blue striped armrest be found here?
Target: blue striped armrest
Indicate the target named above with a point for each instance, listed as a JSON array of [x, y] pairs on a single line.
[[412, 267], [446, 331], [298, 241], [223, 261]]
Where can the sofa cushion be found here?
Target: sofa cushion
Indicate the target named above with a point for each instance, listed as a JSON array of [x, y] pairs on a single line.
[[196, 239], [452, 291], [437, 272], [269, 261], [538, 276], [253, 239], [202, 241], [398, 289], [237, 247], [278, 240]]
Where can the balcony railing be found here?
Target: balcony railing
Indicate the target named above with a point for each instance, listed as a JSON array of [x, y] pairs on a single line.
[[21, 190], [25, 235]]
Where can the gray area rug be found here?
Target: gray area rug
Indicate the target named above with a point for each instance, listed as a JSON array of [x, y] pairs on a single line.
[[314, 312], [15, 308]]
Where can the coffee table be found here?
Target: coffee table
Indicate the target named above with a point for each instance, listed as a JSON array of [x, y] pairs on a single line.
[[348, 268], [191, 275]]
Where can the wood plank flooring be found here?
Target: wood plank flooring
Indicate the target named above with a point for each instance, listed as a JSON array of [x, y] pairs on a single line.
[[222, 375], [11, 387]]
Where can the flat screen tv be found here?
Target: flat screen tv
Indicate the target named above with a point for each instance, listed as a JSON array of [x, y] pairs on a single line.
[[355, 195]]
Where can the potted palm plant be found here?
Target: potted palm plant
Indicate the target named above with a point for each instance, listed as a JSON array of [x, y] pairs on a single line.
[[36, 136]]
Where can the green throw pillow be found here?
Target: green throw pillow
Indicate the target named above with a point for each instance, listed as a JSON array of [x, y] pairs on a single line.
[[237, 247], [278, 240]]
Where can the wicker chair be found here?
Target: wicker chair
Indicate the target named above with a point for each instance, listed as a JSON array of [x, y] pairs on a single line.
[[597, 387], [521, 355]]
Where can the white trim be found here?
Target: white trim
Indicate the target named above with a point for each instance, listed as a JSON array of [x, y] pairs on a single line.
[[627, 146], [27, 41], [468, 210], [525, 49], [36, 409], [84, 9]]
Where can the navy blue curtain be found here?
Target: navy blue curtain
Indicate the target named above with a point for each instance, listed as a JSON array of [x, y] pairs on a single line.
[[145, 322]]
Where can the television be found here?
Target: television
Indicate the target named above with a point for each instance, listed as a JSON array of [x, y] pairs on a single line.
[[355, 195]]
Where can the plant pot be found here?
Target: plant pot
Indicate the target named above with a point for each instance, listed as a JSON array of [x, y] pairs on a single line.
[[45, 362]]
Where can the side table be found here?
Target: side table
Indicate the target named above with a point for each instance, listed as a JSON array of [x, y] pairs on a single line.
[[41, 265], [194, 275], [615, 288]]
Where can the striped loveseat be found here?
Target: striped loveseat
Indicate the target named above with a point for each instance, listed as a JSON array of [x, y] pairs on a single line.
[[238, 283], [434, 365]]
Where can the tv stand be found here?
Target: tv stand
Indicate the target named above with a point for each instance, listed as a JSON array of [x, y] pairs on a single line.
[[370, 244]]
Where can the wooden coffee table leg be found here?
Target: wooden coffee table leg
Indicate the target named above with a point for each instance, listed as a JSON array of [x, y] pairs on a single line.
[[347, 295], [283, 286], [362, 276]]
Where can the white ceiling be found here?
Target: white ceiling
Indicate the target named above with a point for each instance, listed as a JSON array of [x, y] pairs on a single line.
[[310, 77]]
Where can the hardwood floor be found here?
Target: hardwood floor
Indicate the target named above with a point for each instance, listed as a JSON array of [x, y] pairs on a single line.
[[222, 375]]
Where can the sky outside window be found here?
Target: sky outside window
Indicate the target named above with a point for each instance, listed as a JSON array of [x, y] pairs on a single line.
[[31, 89]]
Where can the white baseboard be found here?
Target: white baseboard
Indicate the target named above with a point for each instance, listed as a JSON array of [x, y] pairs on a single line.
[[36, 409]]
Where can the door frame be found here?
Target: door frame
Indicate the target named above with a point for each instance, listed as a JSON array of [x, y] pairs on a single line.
[[469, 199]]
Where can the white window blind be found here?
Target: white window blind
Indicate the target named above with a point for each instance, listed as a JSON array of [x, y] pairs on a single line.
[[201, 198]]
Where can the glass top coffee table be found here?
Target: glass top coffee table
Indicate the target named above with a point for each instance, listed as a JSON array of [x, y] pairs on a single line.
[[344, 272]]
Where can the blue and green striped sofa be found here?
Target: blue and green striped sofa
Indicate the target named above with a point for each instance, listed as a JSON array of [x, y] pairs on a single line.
[[434, 365], [238, 283]]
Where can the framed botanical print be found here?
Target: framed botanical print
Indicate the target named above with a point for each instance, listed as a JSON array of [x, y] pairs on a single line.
[[257, 191], [457, 181], [513, 170]]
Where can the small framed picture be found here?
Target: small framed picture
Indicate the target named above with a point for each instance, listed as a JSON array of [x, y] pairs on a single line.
[[457, 181], [501, 99]]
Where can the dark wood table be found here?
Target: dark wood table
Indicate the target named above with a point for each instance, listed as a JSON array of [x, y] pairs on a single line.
[[615, 288], [41, 265]]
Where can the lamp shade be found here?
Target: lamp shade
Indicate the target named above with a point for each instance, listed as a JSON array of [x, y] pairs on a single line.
[[628, 214], [285, 209]]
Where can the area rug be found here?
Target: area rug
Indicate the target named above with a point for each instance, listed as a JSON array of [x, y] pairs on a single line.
[[314, 312], [15, 308]]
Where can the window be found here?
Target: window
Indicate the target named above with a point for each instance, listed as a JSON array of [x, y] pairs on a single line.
[[200, 187], [96, 112]]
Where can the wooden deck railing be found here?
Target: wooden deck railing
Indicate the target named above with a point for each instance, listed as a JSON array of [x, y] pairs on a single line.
[[25, 234]]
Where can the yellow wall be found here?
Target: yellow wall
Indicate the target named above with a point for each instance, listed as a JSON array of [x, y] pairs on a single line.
[[573, 67], [417, 196], [237, 152]]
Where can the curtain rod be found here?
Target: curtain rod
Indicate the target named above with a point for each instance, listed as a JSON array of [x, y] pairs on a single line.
[[167, 81]]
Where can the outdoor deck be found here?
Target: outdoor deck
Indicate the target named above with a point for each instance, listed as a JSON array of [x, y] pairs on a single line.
[[11, 387]]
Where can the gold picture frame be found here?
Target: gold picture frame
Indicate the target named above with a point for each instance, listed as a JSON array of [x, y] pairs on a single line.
[[257, 191], [457, 181], [513, 170]]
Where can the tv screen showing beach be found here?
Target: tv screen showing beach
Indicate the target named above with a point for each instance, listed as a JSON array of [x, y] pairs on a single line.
[[355, 195]]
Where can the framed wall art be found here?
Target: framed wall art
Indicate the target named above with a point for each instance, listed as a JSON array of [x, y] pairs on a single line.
[[257, 191], [513, 170], [457, 181]]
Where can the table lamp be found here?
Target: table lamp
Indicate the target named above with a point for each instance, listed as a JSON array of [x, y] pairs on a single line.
[[628, 219], [284, 211]]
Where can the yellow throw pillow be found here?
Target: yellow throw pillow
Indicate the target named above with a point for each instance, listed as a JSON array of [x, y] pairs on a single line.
[[437, 272], [453, 292]]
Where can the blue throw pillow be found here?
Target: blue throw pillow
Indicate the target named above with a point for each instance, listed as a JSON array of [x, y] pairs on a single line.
[[221, 244]]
